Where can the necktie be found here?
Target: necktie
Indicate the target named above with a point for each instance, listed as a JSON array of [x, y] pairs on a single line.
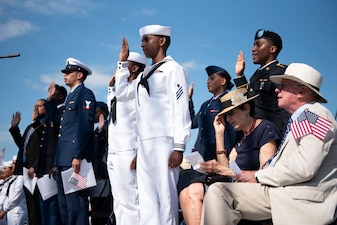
[[208, 104], [66, 101], [272, 160], [113, 112]]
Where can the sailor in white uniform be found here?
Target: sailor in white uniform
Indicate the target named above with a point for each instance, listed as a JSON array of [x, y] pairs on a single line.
[[13, 209], [122, 141]]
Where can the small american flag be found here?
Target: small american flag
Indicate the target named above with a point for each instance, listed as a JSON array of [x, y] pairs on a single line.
[[310, 123], [78, 180]]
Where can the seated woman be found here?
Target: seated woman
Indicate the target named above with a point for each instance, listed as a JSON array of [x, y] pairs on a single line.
[[258, 144]]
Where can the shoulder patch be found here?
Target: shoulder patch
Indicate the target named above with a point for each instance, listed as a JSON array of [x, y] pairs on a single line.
[[281, 65], [87, 105]]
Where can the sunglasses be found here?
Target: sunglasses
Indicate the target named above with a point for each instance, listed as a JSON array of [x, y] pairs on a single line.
[[283, 86]]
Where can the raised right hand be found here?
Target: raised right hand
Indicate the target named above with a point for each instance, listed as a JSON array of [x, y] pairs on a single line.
[[51, 91], [124, 53], [190, 90], [240, 64], [16, 119]]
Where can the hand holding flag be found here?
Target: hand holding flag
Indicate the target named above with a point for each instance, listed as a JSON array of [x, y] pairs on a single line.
[[78, 180]]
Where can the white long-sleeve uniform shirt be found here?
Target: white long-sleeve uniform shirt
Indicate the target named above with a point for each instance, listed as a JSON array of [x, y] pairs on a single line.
[[122, 133], [15, 201], [165, 111]]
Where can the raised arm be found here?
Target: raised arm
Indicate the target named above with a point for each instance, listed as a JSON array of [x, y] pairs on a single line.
[[240, 64]]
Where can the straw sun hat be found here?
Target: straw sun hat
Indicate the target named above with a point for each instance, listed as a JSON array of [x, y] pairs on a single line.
[[236, 98]]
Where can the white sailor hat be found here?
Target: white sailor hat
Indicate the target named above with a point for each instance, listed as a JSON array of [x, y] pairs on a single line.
[[76, 65], [14, 157], [155, 30], [136, 57], [8, 164]]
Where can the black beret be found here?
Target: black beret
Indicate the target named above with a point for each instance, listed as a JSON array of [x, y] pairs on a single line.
[[270, 35], [222, 72]]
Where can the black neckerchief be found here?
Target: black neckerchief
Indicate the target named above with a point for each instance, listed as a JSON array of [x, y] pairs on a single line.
[[9, 185], [113, 109], [144, 80]]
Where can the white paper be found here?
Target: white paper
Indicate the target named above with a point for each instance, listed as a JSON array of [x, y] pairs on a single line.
[[27, 182], [86, 171], [47, 186], [234, 166], [195, 158]]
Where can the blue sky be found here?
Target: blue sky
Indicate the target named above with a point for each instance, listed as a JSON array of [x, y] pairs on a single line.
[[204, 33]]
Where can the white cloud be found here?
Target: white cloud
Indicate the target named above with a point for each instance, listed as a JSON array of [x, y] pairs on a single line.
[[148, 12], [49, 7], [47, 79], [14, 28], [57, 7], [192, 65], [5, 136], [101, 75], [98, 80]]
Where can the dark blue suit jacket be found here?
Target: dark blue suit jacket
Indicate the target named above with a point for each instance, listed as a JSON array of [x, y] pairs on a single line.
[[203, 120], [34, 146], [76, 127]]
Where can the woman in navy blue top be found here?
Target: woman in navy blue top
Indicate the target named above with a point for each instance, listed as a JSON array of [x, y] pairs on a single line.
[[248, 152], [257, 144]]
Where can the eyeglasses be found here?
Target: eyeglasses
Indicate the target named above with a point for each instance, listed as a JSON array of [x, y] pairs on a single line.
[[259, 33]]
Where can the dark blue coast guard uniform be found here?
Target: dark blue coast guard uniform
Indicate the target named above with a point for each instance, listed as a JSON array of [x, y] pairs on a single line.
[[205, 143], [76, 127], [76, 139]]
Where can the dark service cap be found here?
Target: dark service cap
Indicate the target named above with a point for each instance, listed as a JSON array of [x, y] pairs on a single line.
[[222, 72], [76, 65]]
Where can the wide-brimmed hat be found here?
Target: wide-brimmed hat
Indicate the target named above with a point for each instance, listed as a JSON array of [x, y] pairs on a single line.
[[302, 74], [235, 98]]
